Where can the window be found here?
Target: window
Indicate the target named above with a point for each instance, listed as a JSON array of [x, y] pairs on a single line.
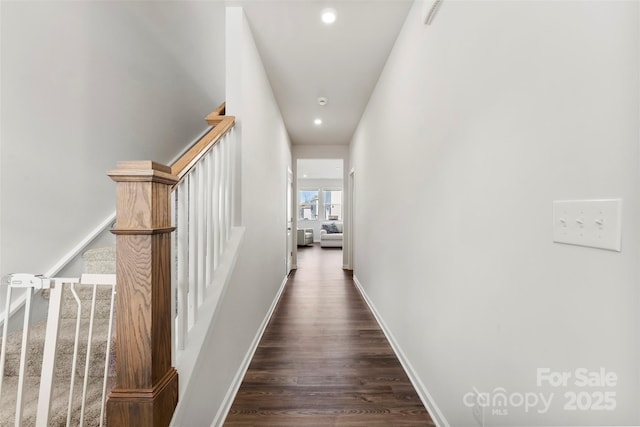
[[308, 207], [332, 200]]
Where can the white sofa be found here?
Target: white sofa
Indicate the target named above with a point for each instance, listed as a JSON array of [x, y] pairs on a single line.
[[331, 234]]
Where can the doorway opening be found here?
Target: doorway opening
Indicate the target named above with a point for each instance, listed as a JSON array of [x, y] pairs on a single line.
[[289, 209], [320, 204]]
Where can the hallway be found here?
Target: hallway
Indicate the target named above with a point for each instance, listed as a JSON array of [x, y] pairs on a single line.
[[323, 360]]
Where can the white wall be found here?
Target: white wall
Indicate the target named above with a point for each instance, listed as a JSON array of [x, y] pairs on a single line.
[[84, 85], [477, 124], [260, 270]]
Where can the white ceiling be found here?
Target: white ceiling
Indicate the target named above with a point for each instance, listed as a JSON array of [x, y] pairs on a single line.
[[320, 168], [305, 59]]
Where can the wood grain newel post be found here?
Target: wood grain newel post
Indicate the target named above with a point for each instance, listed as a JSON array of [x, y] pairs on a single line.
[[146, 389]]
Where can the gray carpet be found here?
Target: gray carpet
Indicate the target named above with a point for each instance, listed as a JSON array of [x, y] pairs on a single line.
[[101, 261]]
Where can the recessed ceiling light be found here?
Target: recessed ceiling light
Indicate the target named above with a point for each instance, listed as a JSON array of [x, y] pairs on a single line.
[[322, 101], [329, 16], [304, 176], [317, 122]]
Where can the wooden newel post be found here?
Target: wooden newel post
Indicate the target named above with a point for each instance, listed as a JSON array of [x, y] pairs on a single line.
[[146, 389]]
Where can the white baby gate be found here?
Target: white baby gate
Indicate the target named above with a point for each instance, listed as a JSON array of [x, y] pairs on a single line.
[[33, 284]]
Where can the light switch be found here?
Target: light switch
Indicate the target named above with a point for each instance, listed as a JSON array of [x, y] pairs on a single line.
[[592, 223]]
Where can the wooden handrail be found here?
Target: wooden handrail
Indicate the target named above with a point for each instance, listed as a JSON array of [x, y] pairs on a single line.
[[184, 164], [220, 111], [221, 124]]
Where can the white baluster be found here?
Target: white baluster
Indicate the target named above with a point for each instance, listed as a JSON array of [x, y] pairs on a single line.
[[223, 198], [174, 274], [182, 255], [193, 245], [227, 191], [211, 216], [231, 138], [216, 207], [200, 251]]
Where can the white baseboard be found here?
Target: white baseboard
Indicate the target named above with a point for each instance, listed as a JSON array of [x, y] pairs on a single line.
[[423, 393], [223, 411]]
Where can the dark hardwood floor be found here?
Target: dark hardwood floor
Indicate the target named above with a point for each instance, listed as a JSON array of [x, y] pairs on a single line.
[[323, 360]]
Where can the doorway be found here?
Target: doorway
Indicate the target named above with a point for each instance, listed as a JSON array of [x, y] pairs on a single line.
[[289, 210], [319, 204], [351, 213]]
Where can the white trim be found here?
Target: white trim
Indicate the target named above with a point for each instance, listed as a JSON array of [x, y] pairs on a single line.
[[349, 224], [423, 393], [14, 306], [62, 262], [224, 408], [73, 253]]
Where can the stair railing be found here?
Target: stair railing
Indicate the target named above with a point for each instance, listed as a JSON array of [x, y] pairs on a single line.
[[203, 213], [159, 294]]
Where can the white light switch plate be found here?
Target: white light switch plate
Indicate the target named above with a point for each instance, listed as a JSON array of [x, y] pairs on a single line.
[[592, 223]]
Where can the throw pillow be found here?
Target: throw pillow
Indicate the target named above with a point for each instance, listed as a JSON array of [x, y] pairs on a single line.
[[332, 228]]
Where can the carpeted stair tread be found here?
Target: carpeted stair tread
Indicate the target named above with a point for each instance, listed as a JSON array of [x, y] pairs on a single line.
[[8, 401], [85, 294], [100, 260], [37, 332], [59, 403], [64, 348]]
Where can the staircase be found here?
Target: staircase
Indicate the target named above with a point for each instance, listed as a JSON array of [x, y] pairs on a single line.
[[97, 261], [169, 288]]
